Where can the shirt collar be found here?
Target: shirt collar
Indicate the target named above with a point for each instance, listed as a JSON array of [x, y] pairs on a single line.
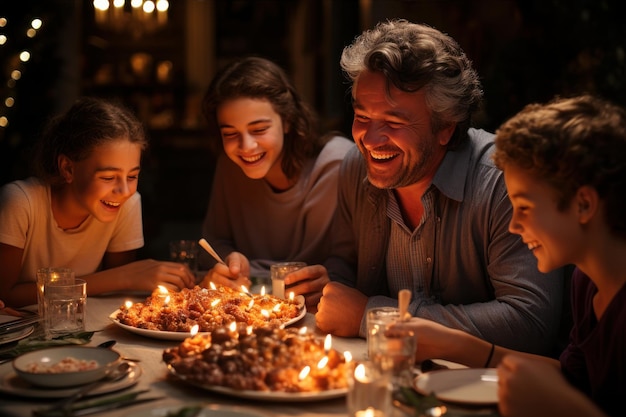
[[451, 174]]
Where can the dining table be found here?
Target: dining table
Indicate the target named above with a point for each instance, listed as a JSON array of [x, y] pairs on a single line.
[[169, 390]]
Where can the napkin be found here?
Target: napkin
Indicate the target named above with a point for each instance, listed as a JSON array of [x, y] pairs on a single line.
[[34, 343]]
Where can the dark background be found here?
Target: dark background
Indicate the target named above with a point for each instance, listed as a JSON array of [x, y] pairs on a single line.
[[525, 51]]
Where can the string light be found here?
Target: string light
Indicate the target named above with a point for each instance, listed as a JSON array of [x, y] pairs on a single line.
[[15, 73]]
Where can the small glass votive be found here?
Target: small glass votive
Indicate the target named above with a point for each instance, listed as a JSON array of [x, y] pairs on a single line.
[[64, 307], [369, 391], [278, 272], [394, 351], [377, 320], [185, 252]]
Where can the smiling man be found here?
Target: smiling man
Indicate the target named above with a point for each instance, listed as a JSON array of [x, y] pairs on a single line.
[[423, 207]]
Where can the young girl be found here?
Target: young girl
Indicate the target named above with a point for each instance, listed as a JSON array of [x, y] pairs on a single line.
[[565, 172], [82, 209], [275, 185]]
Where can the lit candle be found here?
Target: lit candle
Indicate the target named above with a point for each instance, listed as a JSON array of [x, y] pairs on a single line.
[[369, 412], [194, 330], [369, 392], [327, 343], [278, 287]]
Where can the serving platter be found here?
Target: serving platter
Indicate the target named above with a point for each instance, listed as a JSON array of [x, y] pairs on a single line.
[[10, 383], [472, 386], [179, 336], [206, 411], [275, 396]]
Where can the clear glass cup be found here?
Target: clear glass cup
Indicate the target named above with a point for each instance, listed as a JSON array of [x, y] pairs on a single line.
[[278, 272], [49, 275], [377, 320], [394, 351], [64, 307]]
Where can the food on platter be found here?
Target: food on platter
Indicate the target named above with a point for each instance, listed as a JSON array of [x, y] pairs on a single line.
[[208, 309], [258, 359]]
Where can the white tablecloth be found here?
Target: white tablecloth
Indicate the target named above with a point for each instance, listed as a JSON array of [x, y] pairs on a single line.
[[155, 375]]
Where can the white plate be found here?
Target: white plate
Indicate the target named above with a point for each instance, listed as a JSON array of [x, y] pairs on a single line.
[[278, 396], [16, 335], [10, 383], [477, 386], [207, 411], [165, 335]]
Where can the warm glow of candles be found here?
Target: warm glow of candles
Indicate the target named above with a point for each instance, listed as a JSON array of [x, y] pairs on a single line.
[[263, 290], [128, 304], [302, 331], [369, 412], [359, 373], [328, 343], [167, 300], [304, 372], [250, 304], [163, 290], [233, 326], [323, 362], [347, 355], [244, 290], [212, 285], [265, 314], [215, 302], [276, 308], [249, 330], [194, 330], [292, 296]]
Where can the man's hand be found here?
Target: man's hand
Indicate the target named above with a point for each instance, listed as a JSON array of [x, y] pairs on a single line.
[[308, 282], [340, 310]]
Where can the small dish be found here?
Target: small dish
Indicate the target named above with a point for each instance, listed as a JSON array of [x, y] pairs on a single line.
[[105, 360], [471, 386]]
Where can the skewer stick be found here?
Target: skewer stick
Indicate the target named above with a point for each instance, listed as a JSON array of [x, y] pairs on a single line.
[[205, 245], [404, 297]]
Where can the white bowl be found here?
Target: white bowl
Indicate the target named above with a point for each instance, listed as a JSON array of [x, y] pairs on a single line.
[[106, 359]]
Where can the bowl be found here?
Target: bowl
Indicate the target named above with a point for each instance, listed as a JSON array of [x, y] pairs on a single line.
[[46, 360]]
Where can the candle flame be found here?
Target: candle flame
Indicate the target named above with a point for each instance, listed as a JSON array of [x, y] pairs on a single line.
[[327, 343], [250, 304], [249, 330], [215, 302], [128, 304], [212, 285], [163, 290], [369, 412], [167, 300], [263, 290], [304, 372], [233, 326], [194, 330], [359, 373], [276, 307], [322, 363], [265, 314], [302, 330], [291, 296], [347, 356]]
